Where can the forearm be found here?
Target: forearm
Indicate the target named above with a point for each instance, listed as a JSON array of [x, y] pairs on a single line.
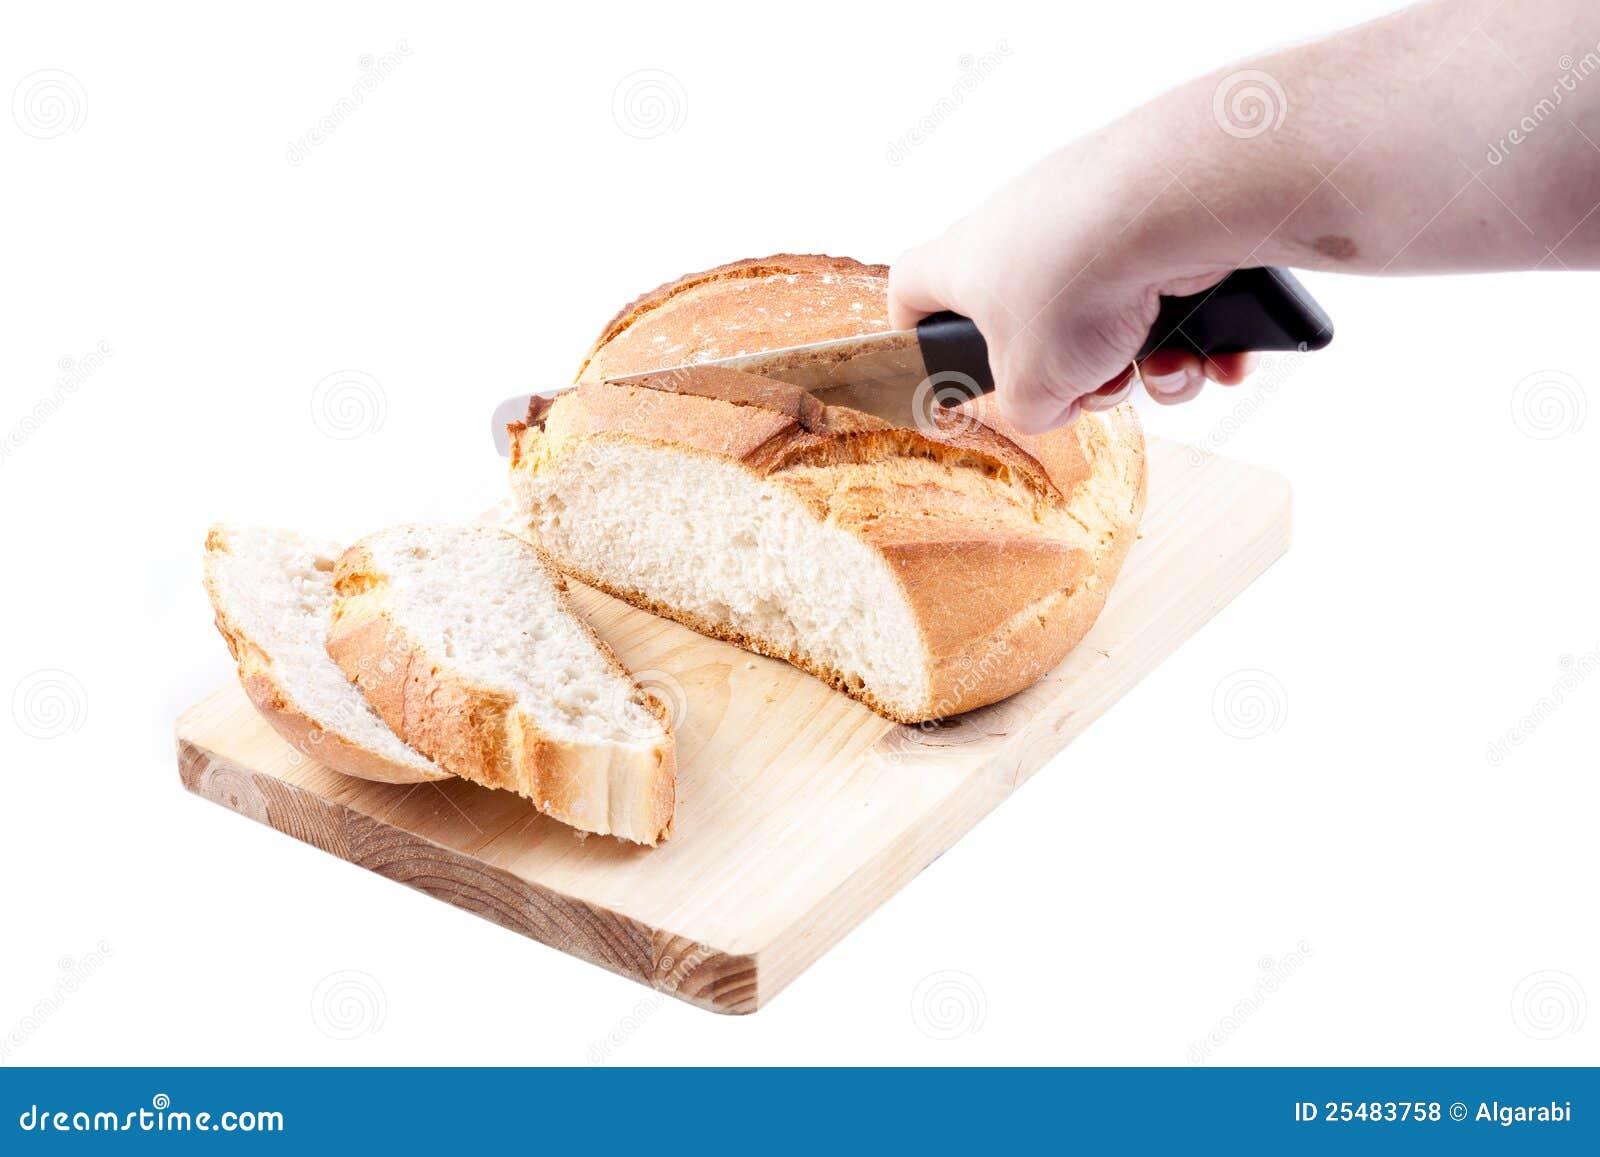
[[1461, 135], [1455, 136]]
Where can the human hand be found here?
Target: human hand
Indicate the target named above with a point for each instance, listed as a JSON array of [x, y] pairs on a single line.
[[1063, 296]]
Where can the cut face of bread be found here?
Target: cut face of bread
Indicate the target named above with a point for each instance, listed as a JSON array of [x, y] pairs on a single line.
[[464, 642], [272, 591], [732, 557]]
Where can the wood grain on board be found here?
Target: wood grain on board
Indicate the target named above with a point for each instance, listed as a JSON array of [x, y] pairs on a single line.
[[799, 811]]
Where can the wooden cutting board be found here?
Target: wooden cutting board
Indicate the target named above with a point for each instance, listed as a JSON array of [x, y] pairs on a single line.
[[799, 811]]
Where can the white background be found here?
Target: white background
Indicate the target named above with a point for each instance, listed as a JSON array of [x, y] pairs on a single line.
[[463, 235]]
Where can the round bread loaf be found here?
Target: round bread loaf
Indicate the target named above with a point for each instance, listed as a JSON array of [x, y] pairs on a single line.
[[924, 572]]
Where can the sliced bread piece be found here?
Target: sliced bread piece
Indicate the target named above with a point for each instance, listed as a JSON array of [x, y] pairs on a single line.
[[272, 591], [464, 642]]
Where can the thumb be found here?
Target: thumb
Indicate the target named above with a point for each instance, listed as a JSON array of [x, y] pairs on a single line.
[[1033, 396], [1044, 379], [915, 287]]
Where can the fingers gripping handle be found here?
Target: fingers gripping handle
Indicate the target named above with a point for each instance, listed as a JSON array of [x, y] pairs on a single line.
[[1250, 309]]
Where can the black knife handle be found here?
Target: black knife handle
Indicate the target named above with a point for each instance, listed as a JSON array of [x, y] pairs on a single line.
[[1250, 309], [951, 344]]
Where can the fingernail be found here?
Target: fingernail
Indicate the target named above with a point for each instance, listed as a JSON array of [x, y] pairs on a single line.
[[1166, 383], [1107, 401]]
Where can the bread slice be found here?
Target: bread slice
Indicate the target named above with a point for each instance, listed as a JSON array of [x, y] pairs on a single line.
[[272, 592], [464, 643], [924, 572]]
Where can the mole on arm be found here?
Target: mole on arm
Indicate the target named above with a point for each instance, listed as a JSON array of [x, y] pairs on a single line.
[[1334, 246]]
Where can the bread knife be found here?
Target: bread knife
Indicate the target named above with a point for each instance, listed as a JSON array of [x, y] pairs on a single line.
[[899, 374]]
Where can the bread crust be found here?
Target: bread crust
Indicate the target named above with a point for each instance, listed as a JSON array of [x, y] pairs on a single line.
[[260, 681], [673, 311], [1004, 544], [478, 732]]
